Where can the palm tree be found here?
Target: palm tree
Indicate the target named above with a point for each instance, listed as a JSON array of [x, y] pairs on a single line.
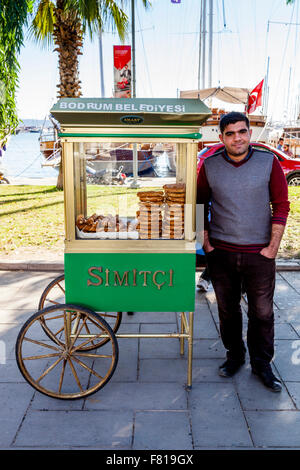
[[13, 17], [65, 23]]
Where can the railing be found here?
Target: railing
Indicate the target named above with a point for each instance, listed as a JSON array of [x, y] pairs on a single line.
[[54, 159], [47, 137]]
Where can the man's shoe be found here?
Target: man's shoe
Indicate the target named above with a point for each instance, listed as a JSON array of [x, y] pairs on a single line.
[[203, 285], [268, 378], [230, 367]]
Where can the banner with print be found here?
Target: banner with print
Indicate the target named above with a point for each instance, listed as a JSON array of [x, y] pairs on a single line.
[[122, 71]]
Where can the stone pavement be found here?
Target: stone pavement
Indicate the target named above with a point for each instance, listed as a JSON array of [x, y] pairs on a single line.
[[146, 405]]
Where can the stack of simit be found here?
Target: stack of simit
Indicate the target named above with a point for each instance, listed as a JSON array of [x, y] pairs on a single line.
[[173, 223], [150, 214]]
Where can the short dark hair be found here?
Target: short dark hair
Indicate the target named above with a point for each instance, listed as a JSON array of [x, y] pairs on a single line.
[[232, 118]]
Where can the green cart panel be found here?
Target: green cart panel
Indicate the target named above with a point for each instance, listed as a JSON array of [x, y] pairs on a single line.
[[137, 282]]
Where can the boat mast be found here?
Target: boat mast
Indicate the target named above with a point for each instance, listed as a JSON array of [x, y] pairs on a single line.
[[200, 43], [133, 49], [101, 65], [266, 88], [203, 42], [288, 95], [134, 183], [205, 59], [210, 43]]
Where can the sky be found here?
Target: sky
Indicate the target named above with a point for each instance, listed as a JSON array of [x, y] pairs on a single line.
[[252, 34]]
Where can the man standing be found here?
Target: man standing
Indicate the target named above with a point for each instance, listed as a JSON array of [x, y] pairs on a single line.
[[249, 206]]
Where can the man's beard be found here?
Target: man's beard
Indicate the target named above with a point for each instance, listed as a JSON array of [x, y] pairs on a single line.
[[238, 153]]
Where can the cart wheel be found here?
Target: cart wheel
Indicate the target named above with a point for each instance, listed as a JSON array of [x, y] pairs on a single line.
[[62, 367], [54, 294]]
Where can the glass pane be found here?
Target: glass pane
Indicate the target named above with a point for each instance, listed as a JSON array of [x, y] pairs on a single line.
[[129, 191]]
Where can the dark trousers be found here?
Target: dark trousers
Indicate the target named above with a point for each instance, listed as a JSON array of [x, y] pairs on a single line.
[[257, 273]]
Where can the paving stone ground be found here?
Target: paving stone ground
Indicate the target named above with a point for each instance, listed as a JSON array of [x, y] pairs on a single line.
[[146, 404]]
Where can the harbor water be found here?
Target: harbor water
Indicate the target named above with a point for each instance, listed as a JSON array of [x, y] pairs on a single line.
[[22, 162], [23, 159]]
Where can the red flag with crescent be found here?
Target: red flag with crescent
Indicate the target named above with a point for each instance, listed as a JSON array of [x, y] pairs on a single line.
[[254, 99]]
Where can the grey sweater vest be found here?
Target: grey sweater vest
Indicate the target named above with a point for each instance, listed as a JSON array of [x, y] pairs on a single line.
[[240, 202]]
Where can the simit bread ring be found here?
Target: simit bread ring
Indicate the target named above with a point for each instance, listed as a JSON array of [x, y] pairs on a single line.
[[177, 187]]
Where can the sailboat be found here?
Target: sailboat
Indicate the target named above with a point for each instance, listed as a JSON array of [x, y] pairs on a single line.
[[99, 158], [210, 129], [50, 144], [290, 132], [234, 95]]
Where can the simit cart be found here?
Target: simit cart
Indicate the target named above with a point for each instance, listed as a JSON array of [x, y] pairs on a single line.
[[128, 248]]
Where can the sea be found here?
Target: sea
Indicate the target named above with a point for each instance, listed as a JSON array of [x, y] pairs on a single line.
[[23, 160]]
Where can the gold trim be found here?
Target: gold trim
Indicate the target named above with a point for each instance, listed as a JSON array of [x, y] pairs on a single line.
[[186, 333], [138, 140], [190, 349], [129, 246], [191, 189], [69, 191], [130, 129]]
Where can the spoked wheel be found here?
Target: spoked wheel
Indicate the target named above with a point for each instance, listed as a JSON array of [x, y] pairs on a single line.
[[59, 365], [54, 294], [4, 181]]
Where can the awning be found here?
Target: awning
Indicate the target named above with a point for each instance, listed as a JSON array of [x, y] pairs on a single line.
[[227, 94], [141, 112]]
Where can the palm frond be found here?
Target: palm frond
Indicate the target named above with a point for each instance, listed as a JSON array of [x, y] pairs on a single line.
[[42, 26], [147, 3], [114, 16], [95, 13]]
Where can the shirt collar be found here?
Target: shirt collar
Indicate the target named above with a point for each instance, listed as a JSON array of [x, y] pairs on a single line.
[[241, 161]]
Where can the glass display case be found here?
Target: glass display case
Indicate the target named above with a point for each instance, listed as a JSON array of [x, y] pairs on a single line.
[[109, 206]]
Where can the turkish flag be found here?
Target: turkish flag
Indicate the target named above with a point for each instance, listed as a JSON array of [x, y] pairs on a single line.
[[254, 99]]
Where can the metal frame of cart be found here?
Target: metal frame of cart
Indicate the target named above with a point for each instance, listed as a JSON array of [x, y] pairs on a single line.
[[75, 336]]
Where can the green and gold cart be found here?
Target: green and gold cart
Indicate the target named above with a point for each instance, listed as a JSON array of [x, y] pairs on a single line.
[[128, 247]]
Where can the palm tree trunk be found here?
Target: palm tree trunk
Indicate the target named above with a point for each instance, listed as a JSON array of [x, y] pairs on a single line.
[[68, 41]]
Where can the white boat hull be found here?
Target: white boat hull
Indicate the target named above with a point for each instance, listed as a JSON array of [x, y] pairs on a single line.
[[210, 134], [127, 165], [172, 161]]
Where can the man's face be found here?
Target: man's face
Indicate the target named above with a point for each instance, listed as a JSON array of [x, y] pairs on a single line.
[[236, 138]]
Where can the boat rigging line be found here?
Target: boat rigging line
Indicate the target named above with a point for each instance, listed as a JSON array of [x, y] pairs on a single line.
[[145, 55], [28, 166], [224, 19], [283, 55]]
